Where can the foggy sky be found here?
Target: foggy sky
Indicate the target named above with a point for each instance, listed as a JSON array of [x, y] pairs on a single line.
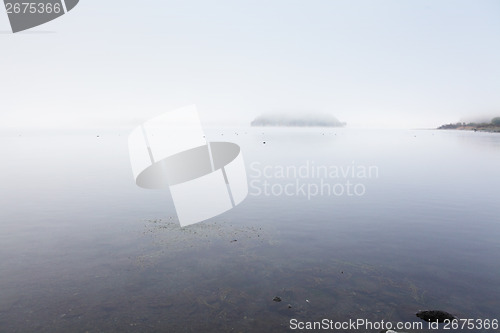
[[410, 64]]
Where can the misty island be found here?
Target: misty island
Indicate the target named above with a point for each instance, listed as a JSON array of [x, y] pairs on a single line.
[[285, 120], [493, 126]]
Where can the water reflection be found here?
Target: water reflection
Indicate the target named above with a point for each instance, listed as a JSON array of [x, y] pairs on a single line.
[[90, 251]]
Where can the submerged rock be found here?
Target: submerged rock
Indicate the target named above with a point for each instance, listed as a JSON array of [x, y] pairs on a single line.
[[277, 299], [435, 315]]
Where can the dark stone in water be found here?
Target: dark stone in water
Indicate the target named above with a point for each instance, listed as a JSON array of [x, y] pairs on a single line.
[[277, 299], [435, 315]]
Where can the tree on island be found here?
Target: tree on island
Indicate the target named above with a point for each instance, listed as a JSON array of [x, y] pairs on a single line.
[[297, 120], [496, 121]]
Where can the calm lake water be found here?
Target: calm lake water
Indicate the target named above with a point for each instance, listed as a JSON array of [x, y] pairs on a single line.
[[83, 249]]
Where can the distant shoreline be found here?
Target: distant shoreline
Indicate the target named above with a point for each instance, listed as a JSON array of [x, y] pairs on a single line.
[[489, 128]]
